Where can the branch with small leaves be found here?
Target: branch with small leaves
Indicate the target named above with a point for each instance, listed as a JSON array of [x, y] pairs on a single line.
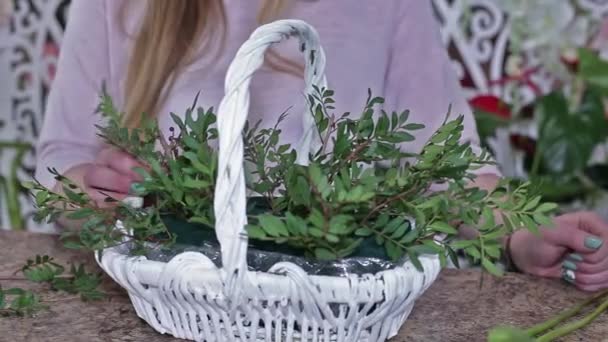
[[44, 270], [361, 194]]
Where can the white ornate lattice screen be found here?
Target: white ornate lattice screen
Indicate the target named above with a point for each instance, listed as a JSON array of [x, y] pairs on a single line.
[[36, 29], [478, 50]]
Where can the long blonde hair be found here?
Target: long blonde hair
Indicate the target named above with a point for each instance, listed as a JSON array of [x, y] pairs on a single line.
[[171, 33]]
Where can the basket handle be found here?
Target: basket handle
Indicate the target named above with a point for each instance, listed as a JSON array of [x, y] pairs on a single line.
[[230, 194]]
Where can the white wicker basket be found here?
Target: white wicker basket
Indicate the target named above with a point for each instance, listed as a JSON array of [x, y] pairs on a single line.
[[189, 297]]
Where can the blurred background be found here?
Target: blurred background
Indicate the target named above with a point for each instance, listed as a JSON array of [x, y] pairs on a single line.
[[534, 71]]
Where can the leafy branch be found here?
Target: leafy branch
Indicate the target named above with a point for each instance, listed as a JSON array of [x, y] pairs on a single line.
[[362, 193], [43, 269]]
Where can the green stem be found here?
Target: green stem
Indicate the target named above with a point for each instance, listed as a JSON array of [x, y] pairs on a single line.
[[536, 162], [14, 145], [544, 326], [12, 186], [569, 328], [13, 189]]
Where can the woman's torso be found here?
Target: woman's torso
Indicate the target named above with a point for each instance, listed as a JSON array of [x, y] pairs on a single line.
[[356, 36]]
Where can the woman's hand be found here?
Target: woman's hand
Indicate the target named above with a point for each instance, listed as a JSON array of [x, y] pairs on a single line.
[[111, 175], [576, 249]]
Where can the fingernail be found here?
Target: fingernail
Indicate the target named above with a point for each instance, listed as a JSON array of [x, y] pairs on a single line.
[[569, 276], [575, 257], [569, 265], [593, 242], [136, 189]]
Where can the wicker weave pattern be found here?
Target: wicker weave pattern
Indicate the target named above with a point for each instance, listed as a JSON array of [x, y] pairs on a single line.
[[189, 297]]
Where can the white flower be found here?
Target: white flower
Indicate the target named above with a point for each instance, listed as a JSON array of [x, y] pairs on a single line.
[[514, 66], [537, 23], [510, 161]]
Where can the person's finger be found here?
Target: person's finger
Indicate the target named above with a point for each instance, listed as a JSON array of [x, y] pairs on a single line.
[[103, 178], [580, 241], [546, 272], [120, 161], [585, 263], [592, 223], [592, 288], [587, 280]]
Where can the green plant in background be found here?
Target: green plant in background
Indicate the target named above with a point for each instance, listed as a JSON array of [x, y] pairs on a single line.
[[570, 124], [10, 185], [361, 194]]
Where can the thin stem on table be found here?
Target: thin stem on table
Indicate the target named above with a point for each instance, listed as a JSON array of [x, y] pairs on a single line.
[[544, 326], [569, 328]]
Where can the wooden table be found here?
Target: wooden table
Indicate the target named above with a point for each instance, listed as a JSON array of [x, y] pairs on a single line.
[[454, 309]]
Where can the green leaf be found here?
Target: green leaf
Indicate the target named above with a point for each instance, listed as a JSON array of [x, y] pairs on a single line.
[[81, 214], [443, 227], [273, 226], [255, 232], [324, 254], [543, 220], [332, 238], [14, 291], [473, 251], [461, 244], [546, 207], [42, 269], [393, 251], [73, 245], [566, 140], [491, 267], [593, 69], [413, 126], [532, 204], [413, 257], [364, 232]]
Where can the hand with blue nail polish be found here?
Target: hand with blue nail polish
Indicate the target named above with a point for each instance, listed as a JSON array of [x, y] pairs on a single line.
[[111, 174], [575, 249]]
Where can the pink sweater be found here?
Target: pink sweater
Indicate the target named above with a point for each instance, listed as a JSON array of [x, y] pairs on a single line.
[[392, 47]]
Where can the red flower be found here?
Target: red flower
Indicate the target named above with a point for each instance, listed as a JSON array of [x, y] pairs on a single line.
[[523, 143], [491, 104]]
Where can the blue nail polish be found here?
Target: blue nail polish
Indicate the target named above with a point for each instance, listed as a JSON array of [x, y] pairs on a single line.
[[593, 242], [136, 189], [575, 257], [569, 265]]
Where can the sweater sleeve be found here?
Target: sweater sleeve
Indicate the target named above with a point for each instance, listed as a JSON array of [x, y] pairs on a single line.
[[421, 77], [68, 136]]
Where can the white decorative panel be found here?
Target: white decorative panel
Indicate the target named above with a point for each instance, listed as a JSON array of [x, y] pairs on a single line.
[[35, 32]]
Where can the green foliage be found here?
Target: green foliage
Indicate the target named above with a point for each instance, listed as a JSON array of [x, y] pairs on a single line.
[[571, 123], [567, 138], [81, 283], [343, 198], [43, 269], [361, 192], [593, 70], [19, 302]]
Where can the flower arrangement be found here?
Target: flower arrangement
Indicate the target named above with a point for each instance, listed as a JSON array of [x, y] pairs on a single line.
[[556, 137], [357, 197]]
